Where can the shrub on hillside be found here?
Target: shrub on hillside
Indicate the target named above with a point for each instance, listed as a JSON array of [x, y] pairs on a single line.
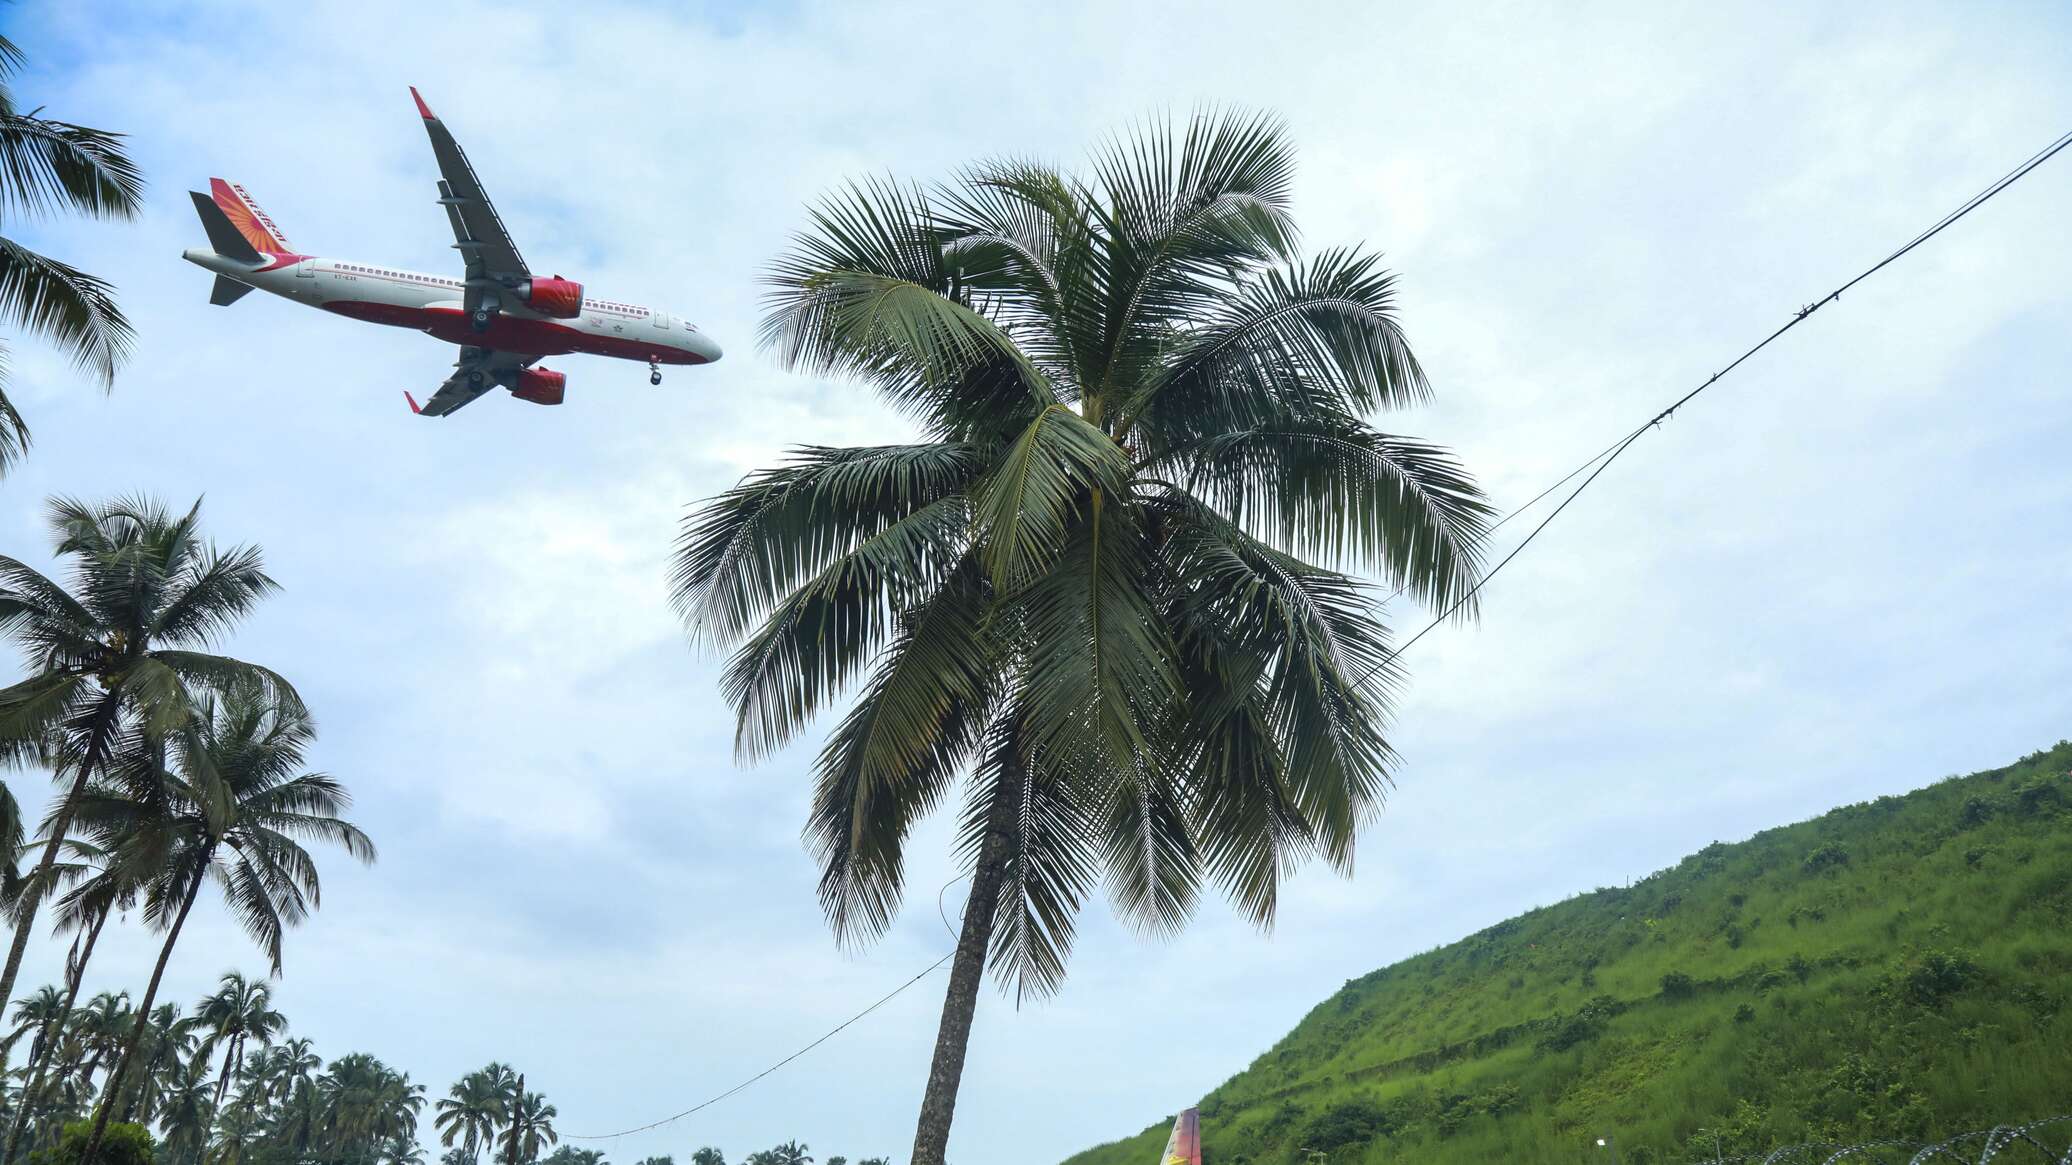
[[1827, 857], [1935, 976], [1677, 985], [1977, 811], [2038, 795], [1350, 1122]]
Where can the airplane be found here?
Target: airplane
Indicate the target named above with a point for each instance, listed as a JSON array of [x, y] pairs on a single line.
[[503, 317]]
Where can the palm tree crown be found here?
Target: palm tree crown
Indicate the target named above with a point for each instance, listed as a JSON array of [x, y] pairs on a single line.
[[115, 649], [48, 166], [1109, 583]]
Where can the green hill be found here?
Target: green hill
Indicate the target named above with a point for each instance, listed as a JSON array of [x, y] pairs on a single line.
[[1892, 969]]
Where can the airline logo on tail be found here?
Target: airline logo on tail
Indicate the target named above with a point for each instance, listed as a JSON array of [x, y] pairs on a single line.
[[250, 221]]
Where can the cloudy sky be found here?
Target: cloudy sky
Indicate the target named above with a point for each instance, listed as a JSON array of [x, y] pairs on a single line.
[[1843, 572]]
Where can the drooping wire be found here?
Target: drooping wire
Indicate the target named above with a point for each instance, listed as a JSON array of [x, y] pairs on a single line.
[[828, 1035], [1603, 460]]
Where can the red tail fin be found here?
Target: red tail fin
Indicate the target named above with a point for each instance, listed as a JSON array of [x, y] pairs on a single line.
[[251, 222]]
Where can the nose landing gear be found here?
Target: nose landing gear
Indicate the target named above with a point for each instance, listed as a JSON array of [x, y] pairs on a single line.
[[654, 372]]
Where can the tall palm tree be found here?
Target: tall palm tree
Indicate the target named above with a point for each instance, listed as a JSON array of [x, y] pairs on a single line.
[[46, 167], [1108, 583], [240, 1009], [529, 1128], [38, 1017], [187, 1113], [168, 1042], [474, 1108], [98, 891], [368, 1105], [289, 1066], [708, 1156], [103, 1022], [234, 806], [115, 648], [298, 1122]]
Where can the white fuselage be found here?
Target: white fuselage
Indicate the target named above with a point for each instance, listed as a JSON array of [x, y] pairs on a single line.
[[433, 304]]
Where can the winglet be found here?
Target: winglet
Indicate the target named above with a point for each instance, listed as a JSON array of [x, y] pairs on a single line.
[[423, 110], [413, 403]]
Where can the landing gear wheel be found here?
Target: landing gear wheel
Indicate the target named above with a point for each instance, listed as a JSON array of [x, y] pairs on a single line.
[[654, 372], [480, 320], [475, 379]]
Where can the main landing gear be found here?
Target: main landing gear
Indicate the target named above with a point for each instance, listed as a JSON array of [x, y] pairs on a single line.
[[654, 372], [479, 320]]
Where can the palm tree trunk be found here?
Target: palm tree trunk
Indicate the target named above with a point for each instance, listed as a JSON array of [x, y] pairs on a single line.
[[967, 969], [129, 1050], [102, 727], [40, 1064], [223, 1078]]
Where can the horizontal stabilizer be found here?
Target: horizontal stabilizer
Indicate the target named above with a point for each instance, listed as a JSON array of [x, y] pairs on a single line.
[[228, 291], [223, 234]]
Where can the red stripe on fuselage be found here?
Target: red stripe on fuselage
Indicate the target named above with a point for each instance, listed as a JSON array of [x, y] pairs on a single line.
[[511, 333]]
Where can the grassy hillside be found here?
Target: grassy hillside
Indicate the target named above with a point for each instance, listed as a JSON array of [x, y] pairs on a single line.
[[1891, 969]]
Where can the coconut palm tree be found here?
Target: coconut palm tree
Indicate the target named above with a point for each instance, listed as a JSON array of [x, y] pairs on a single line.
[[297, 1124], [115, 649], [38, 1017], [233, 805], [708, 1156], [240, 1009], [1107, 584], [98, 891], [289, 1066], [367, 1106], [103, 1022], [47, 167], [168, 1042], [529, 1127], [474, 1108], [187, 1113]]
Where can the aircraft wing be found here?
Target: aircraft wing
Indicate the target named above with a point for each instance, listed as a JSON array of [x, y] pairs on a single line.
[[477, 371], [477, 231]]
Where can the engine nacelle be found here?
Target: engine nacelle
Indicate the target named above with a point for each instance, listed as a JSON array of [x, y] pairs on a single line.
[[557, 297], [541, 386]]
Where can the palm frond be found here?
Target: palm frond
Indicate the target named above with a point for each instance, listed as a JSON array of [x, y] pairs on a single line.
[[898, 748], [215, 589], [1037, 487], [820, 636], [1300, 338], [48, 166], [1053, 863], [1318, 646], [66, 306], [14, 431], [743, 551], [1333, 489], [866, 293]]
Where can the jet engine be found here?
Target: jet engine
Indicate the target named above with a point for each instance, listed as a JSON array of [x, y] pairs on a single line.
[[541, 386], [557, 297]]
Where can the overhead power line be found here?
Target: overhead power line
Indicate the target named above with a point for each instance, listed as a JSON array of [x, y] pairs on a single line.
[[828, 1035], [1602, 461]]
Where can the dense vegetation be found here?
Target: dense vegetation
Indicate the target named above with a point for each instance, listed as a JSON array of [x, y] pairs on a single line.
[[1892, 969], [226, 1085]]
